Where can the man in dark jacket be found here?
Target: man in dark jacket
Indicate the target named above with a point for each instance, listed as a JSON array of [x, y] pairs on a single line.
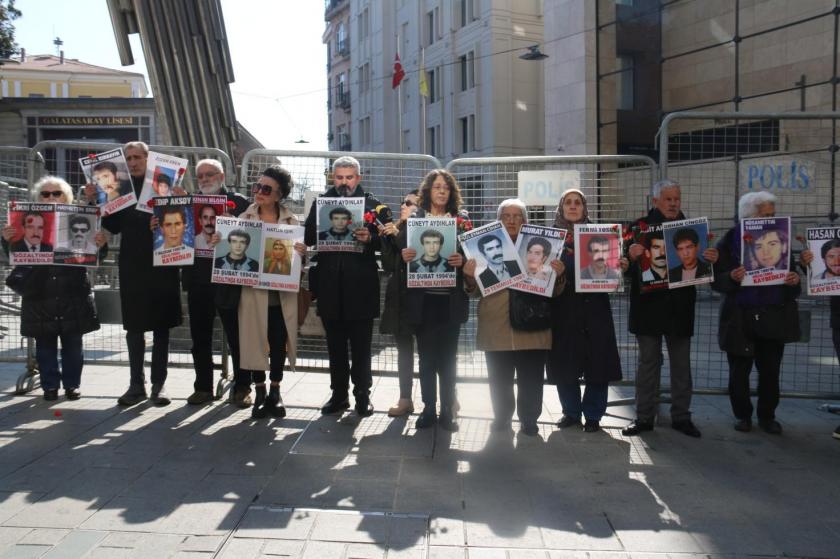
[[346, 285], [201, 301], [667, 313], [149, 295]]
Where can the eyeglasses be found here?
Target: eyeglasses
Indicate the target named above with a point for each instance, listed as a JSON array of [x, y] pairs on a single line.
[[81, 229], [207, 175], [512, 217], [264, 189], [408, 203], [53, 193]]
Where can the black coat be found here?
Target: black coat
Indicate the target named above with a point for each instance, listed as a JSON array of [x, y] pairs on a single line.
[[583, 335], [149, 295], [661, 312], [736, 331], [63, 305], [345, 284]]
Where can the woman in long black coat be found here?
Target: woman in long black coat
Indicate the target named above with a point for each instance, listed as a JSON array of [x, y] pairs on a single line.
[[583, 335]]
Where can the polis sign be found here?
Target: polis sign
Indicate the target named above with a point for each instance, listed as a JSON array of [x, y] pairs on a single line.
[[777, 174], [543, 188]]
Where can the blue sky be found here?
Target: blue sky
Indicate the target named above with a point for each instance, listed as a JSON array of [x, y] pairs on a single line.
[[279, 62]]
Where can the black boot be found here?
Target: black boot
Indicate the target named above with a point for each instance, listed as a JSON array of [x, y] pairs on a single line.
[[258, 411], [274, 403]]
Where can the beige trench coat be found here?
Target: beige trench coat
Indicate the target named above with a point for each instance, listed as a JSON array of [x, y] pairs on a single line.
[[253, 313]]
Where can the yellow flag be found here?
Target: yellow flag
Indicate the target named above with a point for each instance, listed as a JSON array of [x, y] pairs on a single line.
[[424, 85]]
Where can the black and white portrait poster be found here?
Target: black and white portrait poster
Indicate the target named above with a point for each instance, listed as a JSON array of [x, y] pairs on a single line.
[[108, 172], [597, 257], [205, 210], [163, 174], [280, 264], [434, 240], [336, 220], [685, 241], [76, 229], [824, 271], [34, 239], [765, 250], [174, 237], [237, 257], [498, 264], [537, 247]]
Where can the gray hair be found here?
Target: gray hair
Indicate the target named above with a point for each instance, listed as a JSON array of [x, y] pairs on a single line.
[[142, 146], [749, 203], [57, 181], [659, 186], [515, 202], [213, 163], [347, 161]]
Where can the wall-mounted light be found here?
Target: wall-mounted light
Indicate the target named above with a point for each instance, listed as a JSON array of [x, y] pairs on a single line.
[[533, 54]]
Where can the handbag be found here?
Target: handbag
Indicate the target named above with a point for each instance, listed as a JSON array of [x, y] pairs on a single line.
[[528, 311], [20, 281]]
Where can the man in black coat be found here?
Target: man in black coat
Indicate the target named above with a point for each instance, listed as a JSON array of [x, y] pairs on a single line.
[[346, 286], [149, 295], [201, 298], [667, 313]]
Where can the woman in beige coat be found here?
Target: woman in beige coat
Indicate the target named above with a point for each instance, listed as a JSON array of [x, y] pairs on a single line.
[[268, 319]]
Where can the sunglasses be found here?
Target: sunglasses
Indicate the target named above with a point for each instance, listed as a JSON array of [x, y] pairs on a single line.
[[264, 189], [79, 229], [53, 193]]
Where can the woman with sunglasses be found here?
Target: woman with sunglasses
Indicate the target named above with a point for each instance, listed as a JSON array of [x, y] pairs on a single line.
[[57, 304], [268, 319]]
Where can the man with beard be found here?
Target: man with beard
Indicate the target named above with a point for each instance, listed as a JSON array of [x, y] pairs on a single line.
[[33, 234], [340, 219], [663, 313], [655, 253], [346, 286], [830, 252], [498, 269], [431, 261], [599, 252], [205, 299]]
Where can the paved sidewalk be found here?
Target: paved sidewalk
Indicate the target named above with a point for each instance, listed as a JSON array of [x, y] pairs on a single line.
[[88, 479]]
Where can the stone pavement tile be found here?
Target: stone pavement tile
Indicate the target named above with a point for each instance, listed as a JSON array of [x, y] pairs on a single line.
[[158, 545], [486, 553], [446, 531], [169, 480], [806, 539], [192, 555], [418, 552], [275, 523], [109, 553], [422, 498], [19, 551], [365, 551], [569, 554], [502, 529], [44, 536], [324, 550], [366, 495], [327, 437], [527, 554], [650, 536], [283, 548], [10, 536], [134, 514], [441, 552], [237, 548], [407, 531], [12, 503], [202, 543], [569, 529], [357, 528], [76, 544], [365, 466]]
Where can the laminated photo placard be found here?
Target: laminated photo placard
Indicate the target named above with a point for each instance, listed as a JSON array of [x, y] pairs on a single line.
[[237, 257], [163, 174], [597, 257], [434, 239], [765, 250], [685, 241], [280, 265], [206, 208], [537, 247], [174, 238], [108, 172], [35, 232], [76, 229], [653, 263], [336, 219], [498, 265], [824, 271]]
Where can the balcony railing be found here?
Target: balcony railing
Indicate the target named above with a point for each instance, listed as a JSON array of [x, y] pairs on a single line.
[[344, 100]]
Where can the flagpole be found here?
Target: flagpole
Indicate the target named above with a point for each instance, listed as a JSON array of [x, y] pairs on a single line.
[[399, 107], [422, 98]]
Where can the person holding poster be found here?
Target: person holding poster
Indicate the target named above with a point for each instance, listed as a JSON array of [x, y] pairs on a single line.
[[582, 331], [206, 299], [510, 352], [149, 297], [662, 313], [755, 321], [57, 304], [436, 313], [346, 286]]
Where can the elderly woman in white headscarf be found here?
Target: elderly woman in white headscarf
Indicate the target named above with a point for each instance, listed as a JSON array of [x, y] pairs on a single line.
[[509, 351]]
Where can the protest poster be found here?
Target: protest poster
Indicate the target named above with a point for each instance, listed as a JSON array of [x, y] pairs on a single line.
[[653, 263], [685, 241], [205, 210], [336, 219], [824, 271], [163, 174], [174, 237], [280, 264], [597, 257], [237, 256], [34, 237], [108, 172], [537, 247], [76, 229], [498, 264], [765, 250], [434, 239]]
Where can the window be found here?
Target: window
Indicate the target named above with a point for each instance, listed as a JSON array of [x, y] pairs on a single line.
[[342, 46], [432, 83], [467, 12], [406, 147], [473, 143], [342, 92], [364, 78], [364, 132], [430, 28], [363, 24], [467, 130], [466, 64], [433, 146], [625, 100], [404, 33]]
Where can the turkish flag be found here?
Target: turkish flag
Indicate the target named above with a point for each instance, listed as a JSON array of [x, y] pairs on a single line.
[[399, 73]]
